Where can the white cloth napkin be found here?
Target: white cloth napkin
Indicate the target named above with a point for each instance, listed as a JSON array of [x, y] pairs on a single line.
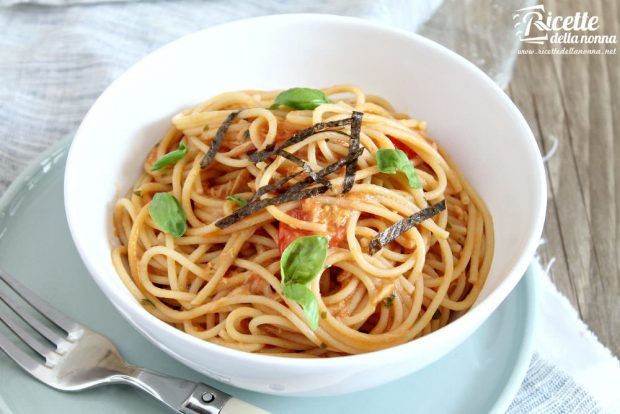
[[563, 340], [57, 60], [571, 371]]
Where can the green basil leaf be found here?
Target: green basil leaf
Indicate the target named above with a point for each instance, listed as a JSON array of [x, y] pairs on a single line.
[[241, 202], [391, 161], [168, 214], [304, 296], [300, 98], [170, 158], [303, 259]]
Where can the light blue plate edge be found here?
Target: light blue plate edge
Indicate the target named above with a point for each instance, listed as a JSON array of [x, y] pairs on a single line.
[[32, 170], [17, 186], [523, 360]]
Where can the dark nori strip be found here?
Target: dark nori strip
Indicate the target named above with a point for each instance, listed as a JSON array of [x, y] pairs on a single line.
[[298, 137], [273, 187], [296, 192], [331, 168], [269, 147], [255, 206], [304, 166], [299, 190], [217, 141], [398, 228], [354, 144]]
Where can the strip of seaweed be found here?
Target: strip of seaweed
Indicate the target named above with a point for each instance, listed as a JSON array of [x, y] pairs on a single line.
[[296, 192], [304, 166], [273, 187], [331, 168], [354, 144], [298, 137], [398, 228], [217, 141], [257, 205]]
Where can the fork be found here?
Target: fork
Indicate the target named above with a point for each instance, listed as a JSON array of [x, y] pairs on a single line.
[[81, 358]]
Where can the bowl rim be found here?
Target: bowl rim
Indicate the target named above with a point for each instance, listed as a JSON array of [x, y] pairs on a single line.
[[468, 322]]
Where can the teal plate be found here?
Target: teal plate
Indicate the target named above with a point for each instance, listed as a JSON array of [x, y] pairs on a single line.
[[482, 375]]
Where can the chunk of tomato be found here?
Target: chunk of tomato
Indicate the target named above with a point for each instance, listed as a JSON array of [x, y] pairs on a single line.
[[334, 217], [399, 145], [288, 234]]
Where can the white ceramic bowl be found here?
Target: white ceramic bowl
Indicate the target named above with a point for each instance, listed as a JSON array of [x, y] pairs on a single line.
[[466, 112]]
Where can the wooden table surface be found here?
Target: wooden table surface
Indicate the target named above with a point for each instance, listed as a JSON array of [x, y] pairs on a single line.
[[575, 99]]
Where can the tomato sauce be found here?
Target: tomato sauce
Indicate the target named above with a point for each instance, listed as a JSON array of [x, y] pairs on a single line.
[[399, 145], [334, 217]]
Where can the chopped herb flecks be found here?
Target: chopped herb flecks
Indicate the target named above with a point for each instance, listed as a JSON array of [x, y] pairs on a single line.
[[389, 301]]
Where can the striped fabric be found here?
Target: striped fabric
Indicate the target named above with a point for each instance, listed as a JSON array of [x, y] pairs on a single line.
[[57, 60], [546, 389]]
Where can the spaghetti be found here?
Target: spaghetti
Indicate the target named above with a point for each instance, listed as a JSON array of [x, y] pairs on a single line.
[[241, 180]]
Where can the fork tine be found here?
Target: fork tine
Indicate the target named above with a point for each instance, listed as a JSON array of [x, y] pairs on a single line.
[[20, 357], [37, 325], [39, 304], [30, 340]]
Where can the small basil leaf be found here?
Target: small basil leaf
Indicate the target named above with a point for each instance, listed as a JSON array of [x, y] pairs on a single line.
[[241, 202], [304, 296], [300, 98], [303, 259], [170, 158], [168, 215], [391, 161]]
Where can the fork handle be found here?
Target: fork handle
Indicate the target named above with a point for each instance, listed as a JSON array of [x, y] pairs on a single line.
[[187, 397], [195, 404]]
